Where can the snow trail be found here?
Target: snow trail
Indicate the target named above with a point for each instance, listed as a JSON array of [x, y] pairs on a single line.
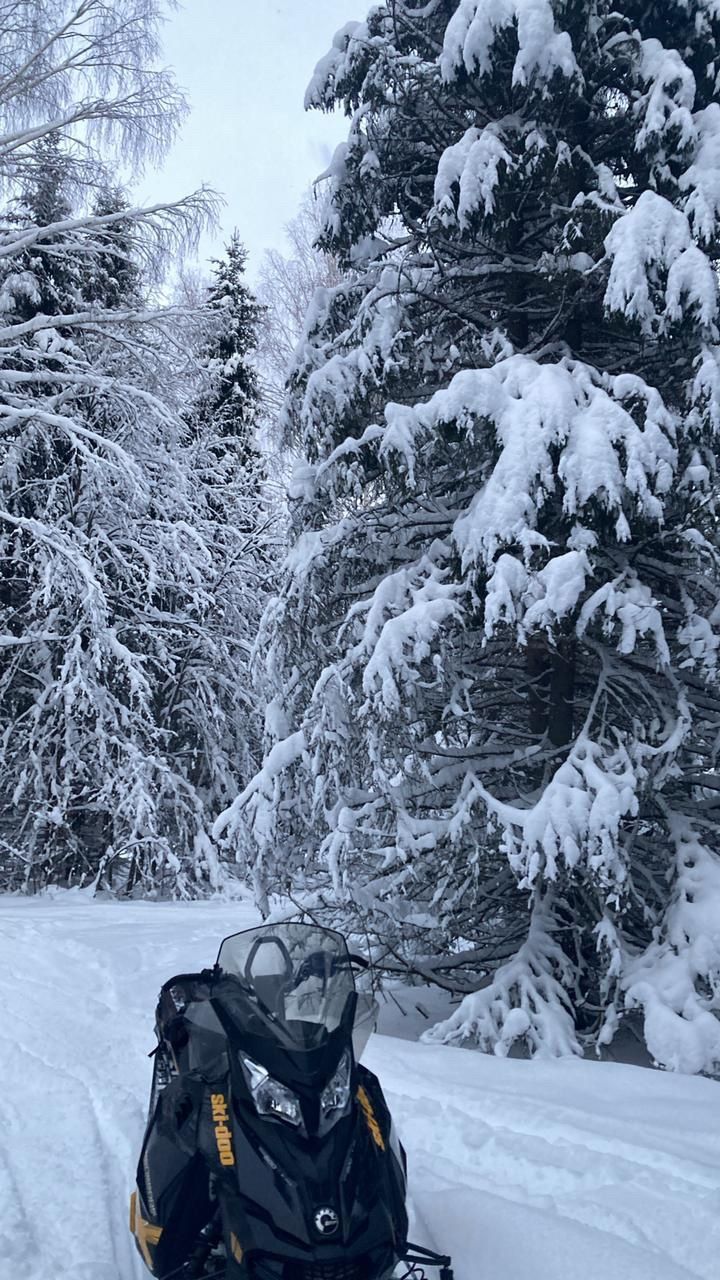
[[524, 1171]]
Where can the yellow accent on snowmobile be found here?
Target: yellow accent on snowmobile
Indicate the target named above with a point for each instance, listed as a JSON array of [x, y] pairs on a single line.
[[147, 1236], [369, 1113], [236, 1248], [223, 1132]]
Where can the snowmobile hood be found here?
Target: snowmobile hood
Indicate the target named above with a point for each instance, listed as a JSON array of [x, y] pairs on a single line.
[[285, 995], [303, 1058]]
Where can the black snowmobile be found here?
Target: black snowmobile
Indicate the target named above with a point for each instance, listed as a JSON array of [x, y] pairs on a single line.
[[270, 1153]]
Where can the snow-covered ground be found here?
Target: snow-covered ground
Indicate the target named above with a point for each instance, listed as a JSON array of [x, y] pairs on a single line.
[[525, 1171]]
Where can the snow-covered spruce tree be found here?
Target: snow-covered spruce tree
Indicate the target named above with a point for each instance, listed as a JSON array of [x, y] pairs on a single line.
[[118, 562], [229, 471], [500, 624], [229, 402]]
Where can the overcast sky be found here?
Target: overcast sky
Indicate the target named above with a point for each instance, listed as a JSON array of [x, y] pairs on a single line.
[[245, 65]]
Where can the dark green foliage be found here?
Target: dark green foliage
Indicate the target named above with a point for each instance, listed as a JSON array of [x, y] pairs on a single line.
[[231, 403], [499, 633]]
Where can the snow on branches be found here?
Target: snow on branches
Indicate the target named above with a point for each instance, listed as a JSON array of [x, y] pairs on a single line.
[[659, 275], [130, 576], [473, 167], [476, 25], [86, 71], [498, 636]]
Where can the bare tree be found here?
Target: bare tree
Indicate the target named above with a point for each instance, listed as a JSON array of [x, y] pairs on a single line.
[[85, 70], [287, 285]]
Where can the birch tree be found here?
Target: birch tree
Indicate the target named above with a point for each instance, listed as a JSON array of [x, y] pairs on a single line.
[[120, 564], [288, 283]]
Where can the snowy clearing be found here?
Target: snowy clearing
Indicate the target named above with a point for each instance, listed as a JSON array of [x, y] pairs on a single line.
[[522, 1170]]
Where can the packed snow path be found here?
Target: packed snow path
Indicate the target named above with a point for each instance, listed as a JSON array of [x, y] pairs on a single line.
[[525, 1171]]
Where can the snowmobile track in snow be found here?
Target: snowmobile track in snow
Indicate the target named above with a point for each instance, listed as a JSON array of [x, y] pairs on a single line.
[[523, 1171]]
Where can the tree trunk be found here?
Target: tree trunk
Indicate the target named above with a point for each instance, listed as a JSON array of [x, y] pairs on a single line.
[[561, 710], [551, 672]]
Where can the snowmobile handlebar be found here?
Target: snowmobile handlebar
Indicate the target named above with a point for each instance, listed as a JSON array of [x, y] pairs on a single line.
[[315, 966]]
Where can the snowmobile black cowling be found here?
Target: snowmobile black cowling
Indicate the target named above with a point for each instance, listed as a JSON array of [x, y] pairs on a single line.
[[270, 1152]]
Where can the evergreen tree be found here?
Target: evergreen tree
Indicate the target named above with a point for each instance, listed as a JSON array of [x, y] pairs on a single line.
[[224, 414], [232, 396], [52, 273], [114, 275], [227, 469], [497, 642]]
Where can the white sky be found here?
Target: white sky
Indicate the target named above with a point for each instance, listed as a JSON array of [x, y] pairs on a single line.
[[245, 65]]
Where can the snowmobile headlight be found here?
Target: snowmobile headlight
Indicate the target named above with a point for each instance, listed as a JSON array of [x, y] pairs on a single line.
[[336, 1095], [270, 1097]]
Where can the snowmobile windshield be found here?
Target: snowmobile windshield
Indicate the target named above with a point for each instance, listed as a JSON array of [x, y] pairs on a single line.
[[299, 977]]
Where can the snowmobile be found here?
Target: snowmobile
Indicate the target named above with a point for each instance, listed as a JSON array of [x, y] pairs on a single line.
[[270, 1153]]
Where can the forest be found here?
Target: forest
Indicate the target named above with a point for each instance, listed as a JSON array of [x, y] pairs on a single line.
[[387, 583]]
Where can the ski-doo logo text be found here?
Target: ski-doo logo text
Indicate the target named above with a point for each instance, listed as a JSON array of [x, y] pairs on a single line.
[[223, 1132]]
